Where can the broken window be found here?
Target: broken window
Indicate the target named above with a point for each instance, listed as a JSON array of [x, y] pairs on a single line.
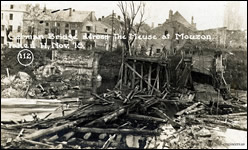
[[47, 24], [67, 25], [18, 40], [2, 40], [58, 31], [73, 32], [166, 32], [43, 41], [10, 16], [46, 31], [49, 41], [66, 31], [11, 6], [53, 30], [29, 29], [19, 29], [66, 42], [10, 28], [106, 30], [88, 28]]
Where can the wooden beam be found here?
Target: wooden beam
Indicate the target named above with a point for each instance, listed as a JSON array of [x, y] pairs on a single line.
[[149, 76], [167, 75], [164, 116], [133, 75], [153, 87], [141, 77], [146, 118], [125, 74], [121, 74], [115, 130], [158, 71]]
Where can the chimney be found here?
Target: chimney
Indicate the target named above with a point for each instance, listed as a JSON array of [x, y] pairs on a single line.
[[70, 13], [152, 25], [102, 17], [192, 23], [119, 17], [44, 10], [92, 14], [73, 10], [159, 24], [170, 14]]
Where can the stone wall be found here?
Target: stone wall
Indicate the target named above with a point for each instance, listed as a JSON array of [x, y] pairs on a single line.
[[109, 65], [78, 64], [236, 70], [223, 38]]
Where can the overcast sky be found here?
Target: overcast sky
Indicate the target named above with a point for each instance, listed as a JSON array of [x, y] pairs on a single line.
[[207, 14]]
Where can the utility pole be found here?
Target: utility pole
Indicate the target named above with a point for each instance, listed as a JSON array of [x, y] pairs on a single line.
[[111, 49]]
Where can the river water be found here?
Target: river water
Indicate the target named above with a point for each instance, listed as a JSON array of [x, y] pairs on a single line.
[[20, 108]]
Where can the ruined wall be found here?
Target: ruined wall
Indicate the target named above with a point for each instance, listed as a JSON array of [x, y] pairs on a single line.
[[171, 44], [109, 65], [76, 68], [236, 39], [53, 74], [236, 70], [223, 38]]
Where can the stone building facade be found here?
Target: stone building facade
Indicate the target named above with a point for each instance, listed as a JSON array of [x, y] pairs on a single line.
[[12, 23], [55, 26], [224, 38], [166, 34]]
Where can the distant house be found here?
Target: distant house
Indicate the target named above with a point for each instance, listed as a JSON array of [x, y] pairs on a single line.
[[66, 22], [97, 33], [118, 25], [12, 23], [224, 38], [166, 34]]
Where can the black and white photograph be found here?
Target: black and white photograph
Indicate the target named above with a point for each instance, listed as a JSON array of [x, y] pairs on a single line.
[[123, 74]]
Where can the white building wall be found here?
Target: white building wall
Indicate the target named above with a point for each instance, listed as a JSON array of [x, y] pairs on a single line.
[[17, 12]]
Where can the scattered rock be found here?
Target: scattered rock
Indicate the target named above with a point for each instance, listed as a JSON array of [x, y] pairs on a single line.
[[118, 138], [203, 133], [132, 141], [87, 136], [102, 136]]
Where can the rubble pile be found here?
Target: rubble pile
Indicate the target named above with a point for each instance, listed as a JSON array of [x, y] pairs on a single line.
[[59, 84], [132, 119], [16, 85]]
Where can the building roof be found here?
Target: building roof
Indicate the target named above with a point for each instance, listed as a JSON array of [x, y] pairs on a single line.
[[59, 15], [16, 7], [218, 28], [175, 19], [178, 17], [98, 27], [117, 23]]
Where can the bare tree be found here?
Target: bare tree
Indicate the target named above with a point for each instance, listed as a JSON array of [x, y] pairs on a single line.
[[130, 11]]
